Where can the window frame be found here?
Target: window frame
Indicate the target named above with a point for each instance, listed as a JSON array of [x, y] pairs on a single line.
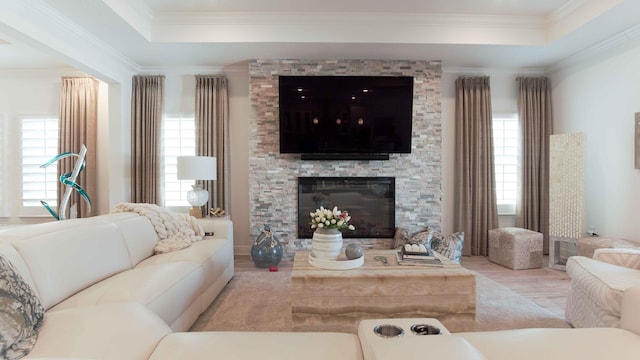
[[21, 210], [171, 203], [506, 208]]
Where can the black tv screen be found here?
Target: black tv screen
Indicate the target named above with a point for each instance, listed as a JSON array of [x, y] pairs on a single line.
[[345, 114]]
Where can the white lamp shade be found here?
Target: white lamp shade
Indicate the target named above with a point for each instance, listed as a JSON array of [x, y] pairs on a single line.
[[196, 168]]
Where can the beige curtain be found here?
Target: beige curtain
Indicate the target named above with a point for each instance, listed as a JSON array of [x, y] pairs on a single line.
[[147, 103], [212, 134], [534, 110], [78, 120], [475, 205]]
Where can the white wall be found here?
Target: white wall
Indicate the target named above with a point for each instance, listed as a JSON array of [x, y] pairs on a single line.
[[33, 93], [599, 98]]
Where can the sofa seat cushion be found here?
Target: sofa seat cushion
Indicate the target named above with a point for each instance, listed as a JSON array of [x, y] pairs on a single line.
[[117, 331], [211, 254], [258, 345], [536, 344], [602, 283], [166, 289]]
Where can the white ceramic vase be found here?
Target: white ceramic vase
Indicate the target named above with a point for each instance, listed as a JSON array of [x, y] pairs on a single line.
[[326, 244]]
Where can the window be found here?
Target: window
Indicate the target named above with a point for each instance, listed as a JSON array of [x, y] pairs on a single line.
[[39, 143], [179, 139], [506, 153]]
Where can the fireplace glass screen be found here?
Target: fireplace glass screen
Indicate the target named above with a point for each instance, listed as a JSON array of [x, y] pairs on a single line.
[[370, 201]]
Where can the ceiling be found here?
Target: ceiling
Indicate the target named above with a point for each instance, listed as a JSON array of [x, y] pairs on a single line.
[[461, 33]]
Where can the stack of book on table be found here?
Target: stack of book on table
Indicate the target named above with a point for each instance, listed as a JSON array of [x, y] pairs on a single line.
[[414, 254]]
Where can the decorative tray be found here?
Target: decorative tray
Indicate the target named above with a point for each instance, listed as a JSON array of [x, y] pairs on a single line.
[[340, 264]]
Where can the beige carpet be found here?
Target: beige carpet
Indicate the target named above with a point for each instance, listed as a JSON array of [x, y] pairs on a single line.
[[261, 301]]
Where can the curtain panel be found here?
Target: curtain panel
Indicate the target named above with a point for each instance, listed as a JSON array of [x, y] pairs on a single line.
[[212, 134], [535, 114], [475, 204], [147, 105], [78, 119]]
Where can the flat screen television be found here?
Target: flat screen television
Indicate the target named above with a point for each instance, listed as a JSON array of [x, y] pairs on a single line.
[[345, 114]]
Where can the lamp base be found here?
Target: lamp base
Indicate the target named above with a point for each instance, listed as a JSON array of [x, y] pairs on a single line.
[[196, 212]]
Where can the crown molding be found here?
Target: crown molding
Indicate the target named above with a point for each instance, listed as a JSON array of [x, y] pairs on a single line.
[[483, 71], [565, 10], [56, 72], [608, 45], [299, 18], [41, 26], [136, 13], [196, 70], [347, 28]]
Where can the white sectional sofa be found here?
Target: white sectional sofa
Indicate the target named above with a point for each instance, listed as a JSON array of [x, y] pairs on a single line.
[[108, 297]]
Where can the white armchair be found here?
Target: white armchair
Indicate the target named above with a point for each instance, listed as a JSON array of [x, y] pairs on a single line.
[[600, 285], [629, 258]]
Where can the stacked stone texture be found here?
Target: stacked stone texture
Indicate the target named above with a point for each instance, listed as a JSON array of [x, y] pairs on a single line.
[[273, 177]]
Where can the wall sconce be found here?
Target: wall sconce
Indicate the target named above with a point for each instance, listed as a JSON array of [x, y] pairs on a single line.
[[197, 168]]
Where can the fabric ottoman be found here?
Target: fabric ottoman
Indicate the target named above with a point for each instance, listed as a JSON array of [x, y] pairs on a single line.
[[515, 248]]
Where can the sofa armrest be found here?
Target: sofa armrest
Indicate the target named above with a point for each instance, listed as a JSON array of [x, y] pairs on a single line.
[[221, 228], [630, 311], [629, 258]]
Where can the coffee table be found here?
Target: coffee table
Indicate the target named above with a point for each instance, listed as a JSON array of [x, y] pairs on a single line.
[[336, 300]]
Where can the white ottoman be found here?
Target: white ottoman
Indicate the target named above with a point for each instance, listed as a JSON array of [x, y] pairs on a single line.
[[515, 248]]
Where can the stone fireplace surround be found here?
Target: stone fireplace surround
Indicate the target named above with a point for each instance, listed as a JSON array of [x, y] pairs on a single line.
[[273, 176]]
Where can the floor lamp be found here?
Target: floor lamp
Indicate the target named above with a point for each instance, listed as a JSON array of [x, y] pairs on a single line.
[[197, 168]]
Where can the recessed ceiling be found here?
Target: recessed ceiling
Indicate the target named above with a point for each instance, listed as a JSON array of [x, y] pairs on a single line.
[[461, 33]]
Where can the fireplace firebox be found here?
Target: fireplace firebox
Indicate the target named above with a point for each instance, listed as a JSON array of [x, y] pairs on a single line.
[[370, 202]]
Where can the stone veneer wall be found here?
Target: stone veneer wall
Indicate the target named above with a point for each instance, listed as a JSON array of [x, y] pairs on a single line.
[[273, 177]]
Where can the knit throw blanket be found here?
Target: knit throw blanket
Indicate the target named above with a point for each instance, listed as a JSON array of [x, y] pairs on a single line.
[[176, 231]]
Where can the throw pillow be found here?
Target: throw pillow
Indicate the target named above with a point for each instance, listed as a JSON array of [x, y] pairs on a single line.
[[422, 237], [400, 238], [21, 313], [449, 246]]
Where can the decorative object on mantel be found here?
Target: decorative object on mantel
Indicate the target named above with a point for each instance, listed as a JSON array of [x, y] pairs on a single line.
[[217, 212], [326, 243], [197, 168], [69, 180], [266, 251]]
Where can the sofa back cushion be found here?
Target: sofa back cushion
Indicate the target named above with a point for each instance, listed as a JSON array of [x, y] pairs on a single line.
[[139, 236], [72, 258]]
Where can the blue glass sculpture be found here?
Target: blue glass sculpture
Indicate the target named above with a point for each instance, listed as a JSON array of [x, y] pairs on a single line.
[[69, 180]]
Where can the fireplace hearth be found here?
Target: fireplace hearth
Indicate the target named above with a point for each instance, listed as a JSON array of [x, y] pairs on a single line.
[[370, 202]]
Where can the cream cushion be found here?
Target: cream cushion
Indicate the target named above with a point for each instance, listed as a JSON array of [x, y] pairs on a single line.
[[596, 292], [147, 286], [117, 331], [259, 345], [536, 344]]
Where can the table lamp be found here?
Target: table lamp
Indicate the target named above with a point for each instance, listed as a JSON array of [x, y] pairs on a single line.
[[197, 168]]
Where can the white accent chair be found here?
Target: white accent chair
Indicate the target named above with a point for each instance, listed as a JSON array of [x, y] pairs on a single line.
[[599, 287]]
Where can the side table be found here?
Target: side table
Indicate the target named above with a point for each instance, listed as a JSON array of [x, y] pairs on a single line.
[[560, 249]]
